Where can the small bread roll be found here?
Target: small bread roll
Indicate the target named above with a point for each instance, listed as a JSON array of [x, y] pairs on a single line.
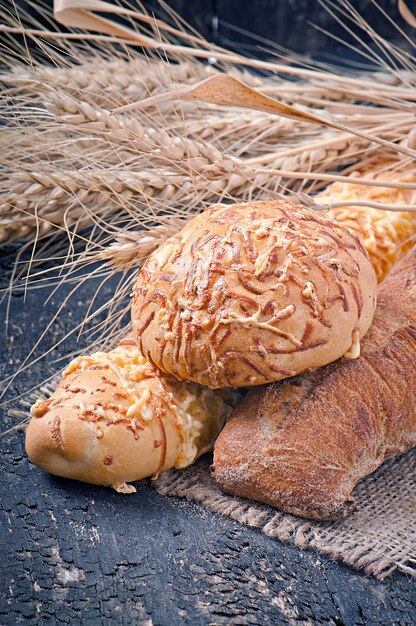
[[115, 418], [251, 293]]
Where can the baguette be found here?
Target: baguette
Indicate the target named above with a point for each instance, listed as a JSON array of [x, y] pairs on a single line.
[[303, 444]]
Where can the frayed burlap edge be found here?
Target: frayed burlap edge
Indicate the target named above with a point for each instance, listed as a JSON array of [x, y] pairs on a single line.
[[380, 537]]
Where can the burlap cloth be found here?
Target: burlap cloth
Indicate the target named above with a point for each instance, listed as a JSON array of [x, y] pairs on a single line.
[[379, 537]]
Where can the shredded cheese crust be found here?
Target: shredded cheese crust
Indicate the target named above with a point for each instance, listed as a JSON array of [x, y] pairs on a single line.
[[199, 412]]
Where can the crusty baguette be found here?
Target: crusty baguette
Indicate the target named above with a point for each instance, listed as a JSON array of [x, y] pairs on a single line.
[[303, 444], [115, 418]]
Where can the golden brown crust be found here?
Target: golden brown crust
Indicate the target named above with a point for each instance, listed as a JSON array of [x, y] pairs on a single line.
[[303, 444], [115, 418], [251, 293], [387, 235]]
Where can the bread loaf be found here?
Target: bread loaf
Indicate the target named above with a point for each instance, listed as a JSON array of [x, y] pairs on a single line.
[[302, 445], [114, 418], [251, 293], [386, 235]]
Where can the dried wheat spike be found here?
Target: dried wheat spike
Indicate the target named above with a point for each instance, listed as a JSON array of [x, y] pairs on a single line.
[[39, 200], [104, 82]]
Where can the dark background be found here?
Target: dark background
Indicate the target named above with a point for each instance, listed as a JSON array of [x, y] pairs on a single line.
[[75, 554], [294, 25]]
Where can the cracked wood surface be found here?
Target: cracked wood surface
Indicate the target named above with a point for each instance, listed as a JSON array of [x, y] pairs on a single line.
[[73, 553]]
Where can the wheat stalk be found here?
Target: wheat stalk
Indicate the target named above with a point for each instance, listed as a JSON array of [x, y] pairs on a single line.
[[132, 248], [106, 82], [201, 156], [46, 198], [41, 194]]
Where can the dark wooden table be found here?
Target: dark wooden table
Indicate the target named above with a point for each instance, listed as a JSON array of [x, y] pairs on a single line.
[[72, 553]]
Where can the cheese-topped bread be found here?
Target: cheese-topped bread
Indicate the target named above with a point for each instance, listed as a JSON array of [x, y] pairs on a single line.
[[246, 294], [116, 418]]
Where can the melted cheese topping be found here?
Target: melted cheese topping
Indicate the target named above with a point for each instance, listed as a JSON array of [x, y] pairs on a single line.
[[355, 349], [387, 236], [199, 412], [124, 488], [202, 414]]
